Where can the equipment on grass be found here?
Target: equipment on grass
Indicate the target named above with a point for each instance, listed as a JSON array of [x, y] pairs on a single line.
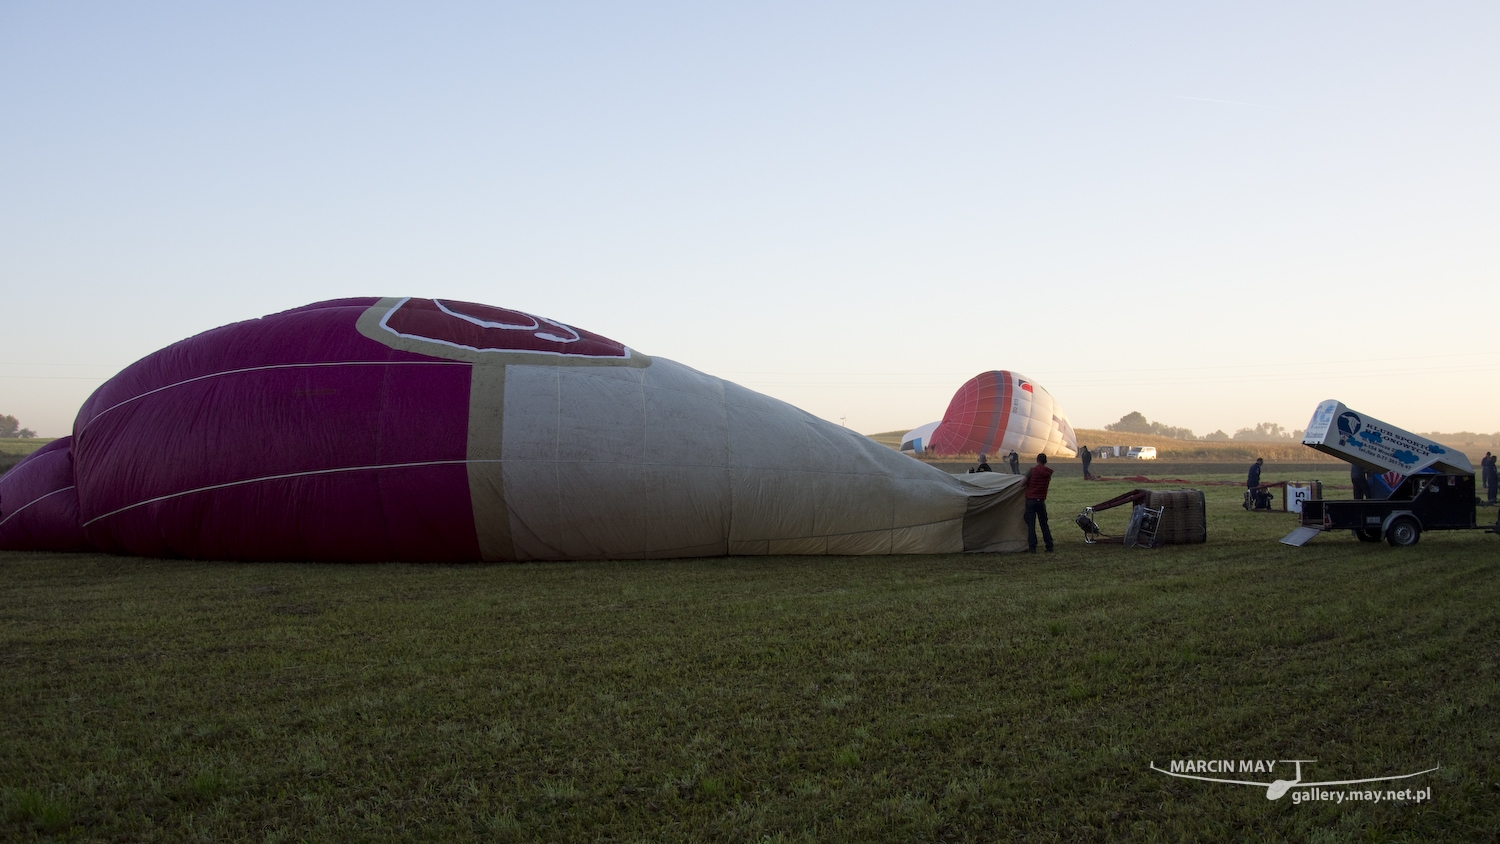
[[1085, 520], [1176, 517], [1293, 493], [1144, 523]]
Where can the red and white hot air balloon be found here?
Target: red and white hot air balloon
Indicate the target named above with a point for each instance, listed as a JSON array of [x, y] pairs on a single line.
[[995, 413]]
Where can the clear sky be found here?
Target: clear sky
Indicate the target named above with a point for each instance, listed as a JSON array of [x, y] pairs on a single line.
[[1215, 214]]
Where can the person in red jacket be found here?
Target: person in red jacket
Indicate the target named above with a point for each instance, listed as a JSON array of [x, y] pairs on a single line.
[[1038, 477]]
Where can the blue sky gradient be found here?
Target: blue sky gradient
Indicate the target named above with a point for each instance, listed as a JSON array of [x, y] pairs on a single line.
[[1215, 216]]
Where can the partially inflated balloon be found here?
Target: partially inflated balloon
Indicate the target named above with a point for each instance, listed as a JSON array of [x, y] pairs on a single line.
[[421, 429], [1002, 411], [918, 439]]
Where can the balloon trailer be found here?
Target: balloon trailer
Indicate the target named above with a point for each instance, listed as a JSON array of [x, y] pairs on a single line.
[[1420, 503], [1431, 486]]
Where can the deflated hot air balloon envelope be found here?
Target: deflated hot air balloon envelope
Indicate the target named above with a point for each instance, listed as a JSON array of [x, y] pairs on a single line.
[[437, 430]]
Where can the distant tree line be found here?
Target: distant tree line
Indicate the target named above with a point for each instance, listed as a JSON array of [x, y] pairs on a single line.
[[1268, 432], [1136, 422], [11, 427]]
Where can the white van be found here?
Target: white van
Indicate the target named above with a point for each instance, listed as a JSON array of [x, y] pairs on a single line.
[[1141, 452]]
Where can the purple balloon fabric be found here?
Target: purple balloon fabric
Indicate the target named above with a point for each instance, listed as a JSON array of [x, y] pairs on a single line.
[[286, 437], [39, 502]]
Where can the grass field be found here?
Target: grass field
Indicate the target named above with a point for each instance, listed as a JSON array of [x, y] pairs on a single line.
[[14, 449], [961, 697], [21, 446]]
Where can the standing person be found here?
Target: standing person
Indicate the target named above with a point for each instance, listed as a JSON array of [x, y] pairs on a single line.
[[1087, 457], [1491, 475], [1361, 481], [984, 465], [1015, 463], [1037, 479]]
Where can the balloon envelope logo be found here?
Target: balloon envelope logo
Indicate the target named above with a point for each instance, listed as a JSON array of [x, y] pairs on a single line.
[[1349, 423], [486, 328]]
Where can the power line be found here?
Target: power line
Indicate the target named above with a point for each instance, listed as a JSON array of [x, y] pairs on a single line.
[[1095, 371], [59, 377], [1165, 381]]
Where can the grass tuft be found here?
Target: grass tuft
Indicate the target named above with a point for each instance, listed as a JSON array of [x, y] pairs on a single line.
[[46, 813]]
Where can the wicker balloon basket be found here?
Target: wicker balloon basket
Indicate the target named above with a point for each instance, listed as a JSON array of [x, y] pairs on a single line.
[[1184, 518], [1158, 517]]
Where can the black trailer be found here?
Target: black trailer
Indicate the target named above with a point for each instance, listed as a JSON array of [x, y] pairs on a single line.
[[1421, 503]]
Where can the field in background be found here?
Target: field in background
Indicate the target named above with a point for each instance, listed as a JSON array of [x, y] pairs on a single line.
[[958, 697], [21, 447], [1235, 451], [1472, 444], [13, 450], [1170, 449], [890, 439]]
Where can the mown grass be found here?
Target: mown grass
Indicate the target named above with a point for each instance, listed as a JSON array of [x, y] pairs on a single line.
[[15, 449], [21, 445], [961, 697]]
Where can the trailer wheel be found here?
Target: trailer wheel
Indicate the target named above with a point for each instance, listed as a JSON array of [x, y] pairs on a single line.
[[1403, 532], [1368, 534]]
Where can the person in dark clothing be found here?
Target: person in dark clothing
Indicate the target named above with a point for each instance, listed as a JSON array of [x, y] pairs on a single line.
[[1087, 457], [1256, 499], [984, 465], [1038, 477], [1491, 476], [1015, 463], [1361, 481]]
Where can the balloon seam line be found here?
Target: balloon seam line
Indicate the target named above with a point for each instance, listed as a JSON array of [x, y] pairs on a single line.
[[286, 476], [33, 501], [270, 367]]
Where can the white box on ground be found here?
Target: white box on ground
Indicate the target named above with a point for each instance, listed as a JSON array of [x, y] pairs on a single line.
[[1295, 495]]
